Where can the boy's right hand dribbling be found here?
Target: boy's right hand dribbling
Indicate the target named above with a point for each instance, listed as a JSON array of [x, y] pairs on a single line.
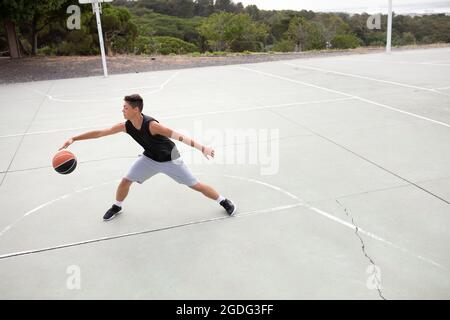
[[66, 144]]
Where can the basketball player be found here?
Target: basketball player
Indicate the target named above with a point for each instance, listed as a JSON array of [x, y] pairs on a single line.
[[160, 154]]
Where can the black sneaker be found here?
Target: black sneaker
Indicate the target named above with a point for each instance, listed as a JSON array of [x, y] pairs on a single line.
[[111, 213], [229, 206]]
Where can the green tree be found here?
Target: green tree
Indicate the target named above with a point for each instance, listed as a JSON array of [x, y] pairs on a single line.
[[236, 32], [204, 8], [224, 5], [279, 25], [33, 15], [333, 25], [119, 31], [253, 11], [214, 28], [305, 34]]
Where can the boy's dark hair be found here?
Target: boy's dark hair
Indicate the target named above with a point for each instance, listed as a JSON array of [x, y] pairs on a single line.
[[135, 101]]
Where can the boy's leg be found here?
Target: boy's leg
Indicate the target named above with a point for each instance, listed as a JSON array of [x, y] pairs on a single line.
[[178, 171], [206, 190], [212, 194], [121, 194], [123, 189]]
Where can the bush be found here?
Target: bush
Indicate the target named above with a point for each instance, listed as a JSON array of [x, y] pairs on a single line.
[[242, 45], [163, 45], [345, 41], [378, 43], [167, 45], [284, 46], [77, 43], [409, 38], [47, 50], [141, 45]]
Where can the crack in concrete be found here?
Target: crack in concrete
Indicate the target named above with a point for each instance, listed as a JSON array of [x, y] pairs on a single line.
[[363, 247]]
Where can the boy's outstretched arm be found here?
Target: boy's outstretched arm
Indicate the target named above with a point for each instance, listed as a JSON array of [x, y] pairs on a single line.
[[157, 128], [120, 127]]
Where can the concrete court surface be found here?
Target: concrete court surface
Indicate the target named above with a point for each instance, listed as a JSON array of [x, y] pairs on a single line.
[[340, 168]]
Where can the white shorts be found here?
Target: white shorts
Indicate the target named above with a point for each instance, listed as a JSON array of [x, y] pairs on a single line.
[[144, 168]]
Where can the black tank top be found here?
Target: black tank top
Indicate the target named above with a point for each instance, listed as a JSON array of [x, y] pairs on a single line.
[[157, 147]]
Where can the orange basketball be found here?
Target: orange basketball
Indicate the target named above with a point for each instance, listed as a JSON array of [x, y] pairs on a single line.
[[64, 162]]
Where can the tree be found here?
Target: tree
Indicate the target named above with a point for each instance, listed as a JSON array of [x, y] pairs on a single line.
[[253, 11], [239, 8], [10, 13], [213, 29], [244, 34], [119, 31], [237, 32], [224, 5], [333, 25], [279, 24], [297, 32], [306, 35], [38, 15], [204, 8], [181, 8]]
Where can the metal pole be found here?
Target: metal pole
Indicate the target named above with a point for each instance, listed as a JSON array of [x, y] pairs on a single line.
[[100, 36], [389, 28]]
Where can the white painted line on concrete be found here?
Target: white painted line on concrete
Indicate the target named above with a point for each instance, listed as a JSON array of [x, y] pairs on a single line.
[[73, 244], [345, 94], [187, 116], [54, 98], [300, 203], [444, 88], [364, 77]]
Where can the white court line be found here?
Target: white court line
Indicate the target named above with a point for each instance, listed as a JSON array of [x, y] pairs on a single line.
[[299, 203], [73, 244], [345, 94], [437, 62], [444, 88], [254, 108], [187, 116], [99, 91], [395, 62], [46, 204], [340, 221], [53, 98], [363, 77]]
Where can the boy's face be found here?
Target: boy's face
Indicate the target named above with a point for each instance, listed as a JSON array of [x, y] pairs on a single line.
[[128, 111]]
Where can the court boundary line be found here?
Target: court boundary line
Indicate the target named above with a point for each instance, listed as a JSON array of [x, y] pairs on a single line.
[[5, 173], [393, 62], [300, 203], [345, 94], [181, 116], [364, 158], [53, 98], [352, 75]]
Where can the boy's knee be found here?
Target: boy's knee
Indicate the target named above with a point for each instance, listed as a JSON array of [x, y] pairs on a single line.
[[196, 186], [125, 182]]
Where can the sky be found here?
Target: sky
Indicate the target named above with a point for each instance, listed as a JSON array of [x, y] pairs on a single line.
[[354, 6]]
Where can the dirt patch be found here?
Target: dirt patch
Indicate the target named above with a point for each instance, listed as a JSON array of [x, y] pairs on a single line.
[[50, 68]]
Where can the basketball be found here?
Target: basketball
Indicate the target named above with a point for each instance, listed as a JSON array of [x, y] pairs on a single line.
[[64, 162]]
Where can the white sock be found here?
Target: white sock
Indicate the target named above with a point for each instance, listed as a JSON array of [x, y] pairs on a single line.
[[119, 203], [220, 199]]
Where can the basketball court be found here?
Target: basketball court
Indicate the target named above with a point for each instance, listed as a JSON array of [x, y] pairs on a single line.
[[339, 166]]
